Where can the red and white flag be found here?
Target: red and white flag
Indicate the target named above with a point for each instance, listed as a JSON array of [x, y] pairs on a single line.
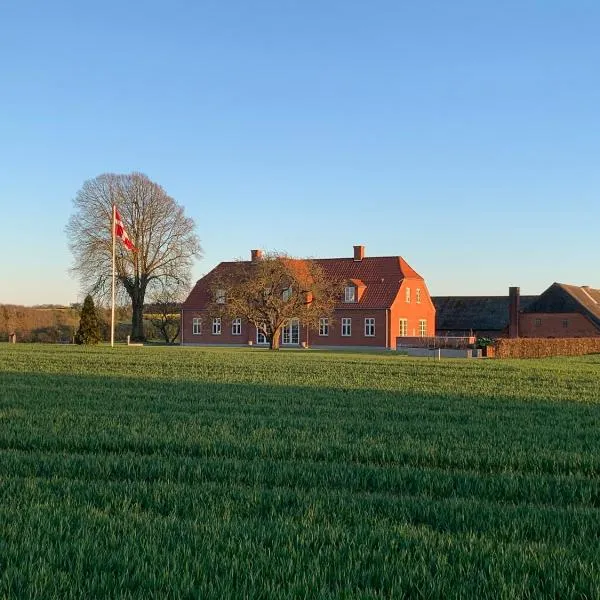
[[121, 233]]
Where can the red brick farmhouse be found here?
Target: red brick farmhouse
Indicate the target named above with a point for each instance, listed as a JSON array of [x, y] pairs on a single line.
[[383, 298]]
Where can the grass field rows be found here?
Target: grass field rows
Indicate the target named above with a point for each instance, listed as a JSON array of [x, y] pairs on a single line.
[[221, 473]]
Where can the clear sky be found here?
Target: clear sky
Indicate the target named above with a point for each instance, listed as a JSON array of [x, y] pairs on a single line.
[[463, 135]]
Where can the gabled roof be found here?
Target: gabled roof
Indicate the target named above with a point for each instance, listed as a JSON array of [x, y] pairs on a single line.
[[477, 313], [382, 276], [564, 298], [200, 294]]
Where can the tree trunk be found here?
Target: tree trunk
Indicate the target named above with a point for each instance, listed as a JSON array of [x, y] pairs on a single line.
[[164, 332], [176, 334], [275, 339], [137, 318]]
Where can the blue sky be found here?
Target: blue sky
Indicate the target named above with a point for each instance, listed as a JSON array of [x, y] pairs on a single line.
[[464, 136]]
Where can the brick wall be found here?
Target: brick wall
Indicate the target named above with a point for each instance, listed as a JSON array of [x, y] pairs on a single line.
[[412, 311], [357, 337], [556, 325], [207, 337]]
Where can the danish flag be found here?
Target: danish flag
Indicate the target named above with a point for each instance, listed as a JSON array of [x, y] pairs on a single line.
[[120, 232]]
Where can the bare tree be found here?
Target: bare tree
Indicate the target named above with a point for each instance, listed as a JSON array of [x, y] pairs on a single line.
[[165, 239], [272, 290]]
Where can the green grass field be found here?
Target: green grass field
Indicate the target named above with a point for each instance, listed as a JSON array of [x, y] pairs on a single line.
[[193, 473]]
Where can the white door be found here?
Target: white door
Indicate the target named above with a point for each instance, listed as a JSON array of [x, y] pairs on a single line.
[[291, 332]]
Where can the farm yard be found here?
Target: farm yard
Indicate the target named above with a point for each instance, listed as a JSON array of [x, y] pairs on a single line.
[[236, 473]]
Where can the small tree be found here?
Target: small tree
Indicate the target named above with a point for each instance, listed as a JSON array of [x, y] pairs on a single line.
[[271, 290], [164, 312], [89, 324]]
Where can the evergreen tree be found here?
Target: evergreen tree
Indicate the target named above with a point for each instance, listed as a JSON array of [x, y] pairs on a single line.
[[89, 324]]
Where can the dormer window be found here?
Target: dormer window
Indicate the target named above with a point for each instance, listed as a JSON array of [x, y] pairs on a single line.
[[287, 294], [350, 294], [220, 296]]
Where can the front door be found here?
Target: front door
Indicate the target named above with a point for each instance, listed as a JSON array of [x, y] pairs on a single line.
[[291, 332]]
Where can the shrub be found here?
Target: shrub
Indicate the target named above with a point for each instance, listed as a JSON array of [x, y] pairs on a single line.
[[89, 324]]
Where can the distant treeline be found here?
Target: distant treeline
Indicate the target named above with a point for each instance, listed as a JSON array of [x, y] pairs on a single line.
[[38, 324], [57, 324]]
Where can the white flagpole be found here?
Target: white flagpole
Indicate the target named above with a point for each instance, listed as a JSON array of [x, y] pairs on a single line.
[[112, 312]]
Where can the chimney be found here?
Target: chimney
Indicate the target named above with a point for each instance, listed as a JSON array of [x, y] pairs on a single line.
[[255, 255], [359, 253], [514, 294]]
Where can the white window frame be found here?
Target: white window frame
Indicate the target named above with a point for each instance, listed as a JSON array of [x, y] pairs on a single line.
[[236, 327], [346, 327], [403, 327], [323, 326], [407, 295], [261, 338], [370, 327], [418, 296], [216, 326], [287, 294], [220, 296], [196, 326], [422, 327], [350, 294]]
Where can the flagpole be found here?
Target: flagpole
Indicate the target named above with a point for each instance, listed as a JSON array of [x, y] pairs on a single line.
[[112, 312]]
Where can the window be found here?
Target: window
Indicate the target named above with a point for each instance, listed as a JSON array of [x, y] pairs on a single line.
[[216, 326], [290, 334], [236, 327], [220, 296], [418, 296], [403, 327], [407, 294], [346, 327], [323, 326], [538, 322], [287, 294], [350, 294], [261, 338], [422, 327], [369, 327], [565, 323], [196, 326]]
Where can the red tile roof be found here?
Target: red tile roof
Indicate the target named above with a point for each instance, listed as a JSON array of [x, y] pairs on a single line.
[[199, 296], [382, 276]]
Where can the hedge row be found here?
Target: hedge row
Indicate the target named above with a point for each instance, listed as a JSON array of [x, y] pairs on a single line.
[[543, 347]]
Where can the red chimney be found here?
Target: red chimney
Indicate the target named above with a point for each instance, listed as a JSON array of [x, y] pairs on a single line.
[[255, 255], [359, 253], [514, 294]]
